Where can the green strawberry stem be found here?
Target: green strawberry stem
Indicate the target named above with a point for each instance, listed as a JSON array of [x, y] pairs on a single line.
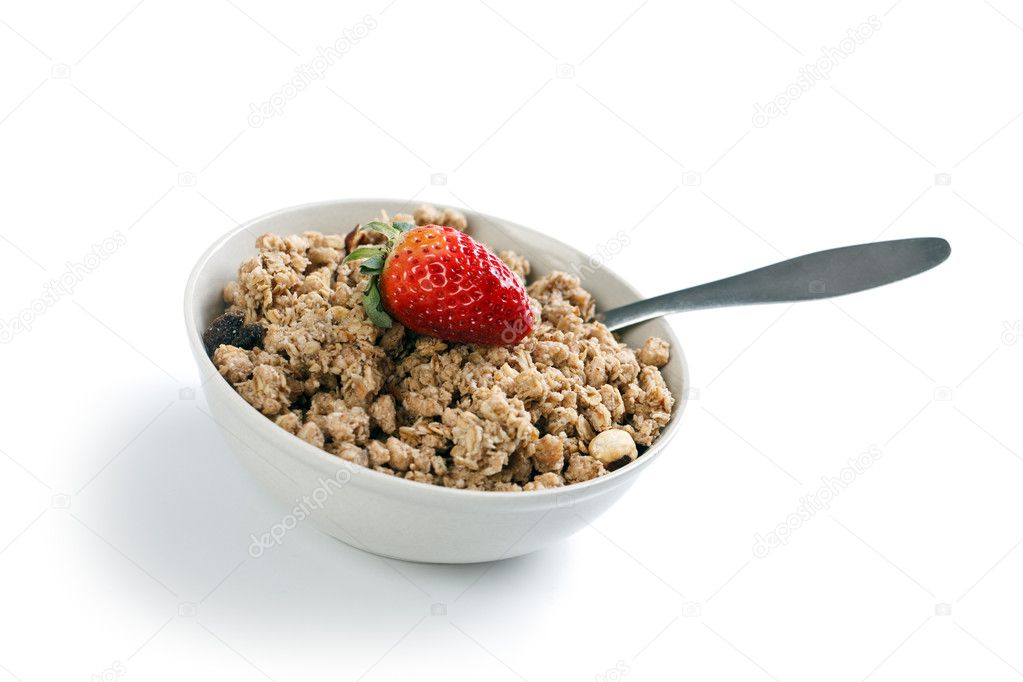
[[374, 256]]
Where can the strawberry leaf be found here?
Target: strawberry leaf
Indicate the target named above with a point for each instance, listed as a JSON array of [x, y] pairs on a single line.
[[372, 265], [403, 227], [366, 252], [374, 306], [389, 231]]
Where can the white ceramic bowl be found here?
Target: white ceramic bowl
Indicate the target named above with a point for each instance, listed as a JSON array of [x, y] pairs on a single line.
[[384, 514]]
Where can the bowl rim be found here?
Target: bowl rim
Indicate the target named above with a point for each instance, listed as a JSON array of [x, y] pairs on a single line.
[[390, 485]]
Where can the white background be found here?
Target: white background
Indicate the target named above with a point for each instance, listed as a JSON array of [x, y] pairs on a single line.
[[125, 523]]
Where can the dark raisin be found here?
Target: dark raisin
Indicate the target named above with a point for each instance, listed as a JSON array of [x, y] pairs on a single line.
[[303, 402], [230, 329], [352, 239], [618, 463]]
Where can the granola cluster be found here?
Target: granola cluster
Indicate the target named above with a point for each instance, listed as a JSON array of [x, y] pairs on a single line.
[[525, 417]]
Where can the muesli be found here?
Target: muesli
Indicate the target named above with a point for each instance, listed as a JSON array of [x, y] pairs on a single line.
[[567, 403]]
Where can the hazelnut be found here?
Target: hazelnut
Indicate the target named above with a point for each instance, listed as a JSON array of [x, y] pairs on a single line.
[[611, 446]]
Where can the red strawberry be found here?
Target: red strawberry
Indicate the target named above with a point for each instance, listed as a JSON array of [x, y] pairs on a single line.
[[441, 282]]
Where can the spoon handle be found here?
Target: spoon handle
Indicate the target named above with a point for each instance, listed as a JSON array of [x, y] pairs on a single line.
[[824, 274]]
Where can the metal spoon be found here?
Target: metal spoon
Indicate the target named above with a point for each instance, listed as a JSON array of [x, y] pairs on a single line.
[[824, 274]]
